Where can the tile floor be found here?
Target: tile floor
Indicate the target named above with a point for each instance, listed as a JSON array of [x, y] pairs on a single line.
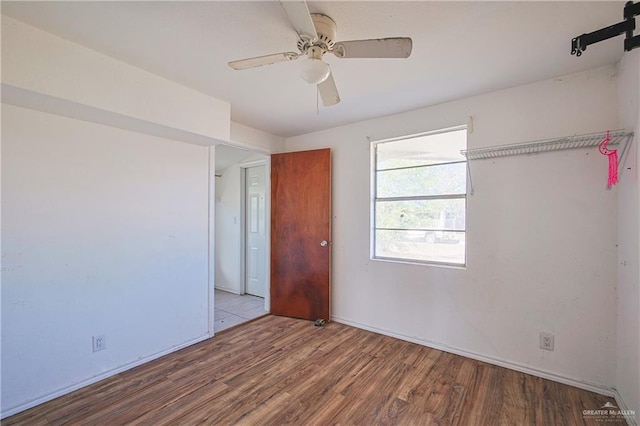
[[231, 309]]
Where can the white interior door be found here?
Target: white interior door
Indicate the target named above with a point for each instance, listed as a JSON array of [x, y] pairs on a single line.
[[255, 204]]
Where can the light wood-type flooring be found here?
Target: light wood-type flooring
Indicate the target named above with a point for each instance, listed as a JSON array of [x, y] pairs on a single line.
[[277, 371]]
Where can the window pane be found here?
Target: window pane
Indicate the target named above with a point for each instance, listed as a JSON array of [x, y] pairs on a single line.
[[433, 180], [422, 150], [446, 214], [422, 246], [412, 228]]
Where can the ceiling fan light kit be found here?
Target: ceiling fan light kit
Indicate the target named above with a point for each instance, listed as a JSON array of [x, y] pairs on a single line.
[[313, 70], [317, 36]]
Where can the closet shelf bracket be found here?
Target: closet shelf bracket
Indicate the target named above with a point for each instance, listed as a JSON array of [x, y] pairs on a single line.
[[618, 137], [621, 138]]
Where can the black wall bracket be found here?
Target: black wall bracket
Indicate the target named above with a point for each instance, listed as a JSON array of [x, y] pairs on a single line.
[[631, 10]]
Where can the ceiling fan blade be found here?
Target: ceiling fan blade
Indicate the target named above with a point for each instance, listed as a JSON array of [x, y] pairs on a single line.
[[394, 47], [259, 61], [329, 91], [300, 18]]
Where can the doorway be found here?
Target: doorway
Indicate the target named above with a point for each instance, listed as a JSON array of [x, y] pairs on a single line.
[[292, 193], [238, 256]]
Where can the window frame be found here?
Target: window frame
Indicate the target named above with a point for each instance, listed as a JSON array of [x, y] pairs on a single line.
[[374, 199]]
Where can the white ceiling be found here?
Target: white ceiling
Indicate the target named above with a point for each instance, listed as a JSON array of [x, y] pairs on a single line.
[[460, 49]]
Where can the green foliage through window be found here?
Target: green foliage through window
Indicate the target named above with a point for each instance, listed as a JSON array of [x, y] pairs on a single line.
[[420, 198]]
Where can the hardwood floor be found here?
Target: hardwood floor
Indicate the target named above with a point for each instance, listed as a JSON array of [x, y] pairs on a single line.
[[277, 370]]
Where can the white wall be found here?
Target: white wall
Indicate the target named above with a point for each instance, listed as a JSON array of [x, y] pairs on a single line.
[[628, 293], [228, 265], [104, 231], [258, 140], [541, 235], [49, 68]]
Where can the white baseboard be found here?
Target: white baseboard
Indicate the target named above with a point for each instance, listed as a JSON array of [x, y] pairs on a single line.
[[593, 387], [63, 391], [622, 405], [228, 290]]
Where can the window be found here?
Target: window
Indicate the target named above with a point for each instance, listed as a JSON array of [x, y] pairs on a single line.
[[420, 198]]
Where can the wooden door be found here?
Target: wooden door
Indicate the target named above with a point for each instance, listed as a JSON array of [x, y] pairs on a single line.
[[301, 234]]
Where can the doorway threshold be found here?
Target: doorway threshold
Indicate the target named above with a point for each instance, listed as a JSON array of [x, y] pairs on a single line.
[[233, 309]]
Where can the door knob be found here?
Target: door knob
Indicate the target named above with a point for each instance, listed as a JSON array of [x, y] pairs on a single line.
[[324, 243]]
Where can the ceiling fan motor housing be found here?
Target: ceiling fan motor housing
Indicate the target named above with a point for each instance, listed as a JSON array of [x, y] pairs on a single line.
[[326, 29]]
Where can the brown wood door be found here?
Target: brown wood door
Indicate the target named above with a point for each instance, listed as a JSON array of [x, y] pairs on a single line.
[[300, 223]]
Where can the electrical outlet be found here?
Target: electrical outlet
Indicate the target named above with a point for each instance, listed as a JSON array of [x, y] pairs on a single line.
[[546, 341], [99, 343]]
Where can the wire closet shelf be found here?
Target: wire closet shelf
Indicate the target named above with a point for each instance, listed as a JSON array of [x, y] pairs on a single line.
[[618, 137]]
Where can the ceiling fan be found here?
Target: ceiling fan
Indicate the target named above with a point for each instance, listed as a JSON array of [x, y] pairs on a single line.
[[317, 36]]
